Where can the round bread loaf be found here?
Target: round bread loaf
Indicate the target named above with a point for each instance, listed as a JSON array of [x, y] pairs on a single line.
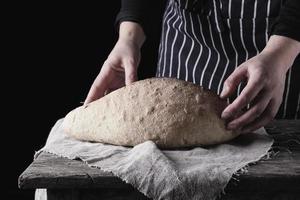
[[170, 112]]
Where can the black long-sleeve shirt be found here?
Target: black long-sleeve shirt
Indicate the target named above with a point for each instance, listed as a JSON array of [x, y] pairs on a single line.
[[141, 11], [288, 22]]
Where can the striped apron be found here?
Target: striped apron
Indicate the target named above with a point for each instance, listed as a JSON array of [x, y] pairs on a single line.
[[203, 41]]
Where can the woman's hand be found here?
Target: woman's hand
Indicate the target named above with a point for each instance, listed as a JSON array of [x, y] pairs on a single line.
[[265, 76], [120, 67]]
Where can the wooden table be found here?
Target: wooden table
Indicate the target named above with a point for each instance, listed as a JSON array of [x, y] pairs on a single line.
[[276, 178]]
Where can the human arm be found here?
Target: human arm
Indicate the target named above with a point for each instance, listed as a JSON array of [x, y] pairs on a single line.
[[265, 74], [120, 67]]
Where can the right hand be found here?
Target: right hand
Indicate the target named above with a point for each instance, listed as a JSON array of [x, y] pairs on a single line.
[[120, 68]]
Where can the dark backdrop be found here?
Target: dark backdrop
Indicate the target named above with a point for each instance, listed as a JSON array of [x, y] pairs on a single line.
[[54, 52]]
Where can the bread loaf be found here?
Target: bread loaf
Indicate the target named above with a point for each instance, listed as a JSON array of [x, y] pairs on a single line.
[[170, 112]]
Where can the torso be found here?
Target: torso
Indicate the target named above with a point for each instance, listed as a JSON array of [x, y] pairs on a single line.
[[203, 44]]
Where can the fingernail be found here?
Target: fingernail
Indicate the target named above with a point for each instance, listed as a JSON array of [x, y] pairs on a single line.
[[225, 115], [231, 126], [224, 91]]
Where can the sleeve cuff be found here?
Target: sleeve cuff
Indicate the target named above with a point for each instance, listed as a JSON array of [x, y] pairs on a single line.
[[286, 28], [127, 16]]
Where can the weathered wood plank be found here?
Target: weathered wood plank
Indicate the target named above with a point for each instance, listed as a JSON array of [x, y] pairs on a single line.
[[286, 134], [51, 171], [283, 169], [96, 194], [284, 126], [260, 195], [279, 173]]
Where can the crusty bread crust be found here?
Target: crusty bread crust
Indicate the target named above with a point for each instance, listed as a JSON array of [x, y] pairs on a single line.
[[171, 112]]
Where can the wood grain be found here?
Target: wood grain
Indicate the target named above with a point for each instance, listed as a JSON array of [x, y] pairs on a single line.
[[279, 174], [94, 194]]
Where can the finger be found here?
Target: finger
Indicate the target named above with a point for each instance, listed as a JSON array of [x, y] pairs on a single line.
[[228, 120], [250, 91], [233, 81], [268, 114], [107, 92], [99, 86], [130, 72], [259, 105]]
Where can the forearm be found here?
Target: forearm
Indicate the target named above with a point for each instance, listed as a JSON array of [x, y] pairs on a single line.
[[133, 32], [135, 11], [284, 49]]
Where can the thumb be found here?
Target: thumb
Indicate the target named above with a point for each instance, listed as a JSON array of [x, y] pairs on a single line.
[[232, 82], [130, 72]]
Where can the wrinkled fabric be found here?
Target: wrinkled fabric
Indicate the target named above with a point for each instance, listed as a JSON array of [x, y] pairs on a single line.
[[190, 173]]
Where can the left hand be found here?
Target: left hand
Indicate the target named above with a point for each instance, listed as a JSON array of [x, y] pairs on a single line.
[[265, 75]]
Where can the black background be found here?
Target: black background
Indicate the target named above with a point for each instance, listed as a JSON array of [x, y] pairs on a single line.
[[53, 52]]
